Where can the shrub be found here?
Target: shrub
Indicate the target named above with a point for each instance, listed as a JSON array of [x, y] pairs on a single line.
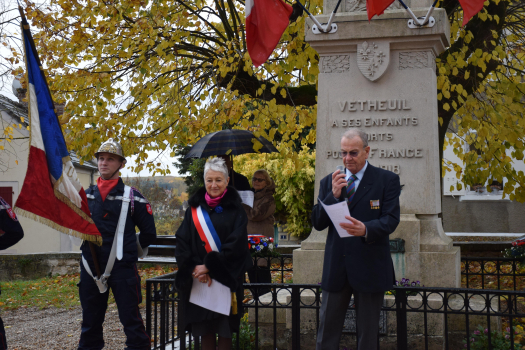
[[246, 335], [479, 339]]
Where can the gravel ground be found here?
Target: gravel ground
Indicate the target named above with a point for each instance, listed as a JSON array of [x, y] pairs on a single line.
[[57, 329]]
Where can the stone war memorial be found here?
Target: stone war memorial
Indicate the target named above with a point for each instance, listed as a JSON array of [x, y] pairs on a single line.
[[380, 76]]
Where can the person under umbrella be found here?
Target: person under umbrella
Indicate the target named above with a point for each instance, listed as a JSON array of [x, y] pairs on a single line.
[[226, 144], [260, 222], [238, 181]]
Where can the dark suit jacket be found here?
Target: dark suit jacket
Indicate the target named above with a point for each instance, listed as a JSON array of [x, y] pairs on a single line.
[[365, 262]]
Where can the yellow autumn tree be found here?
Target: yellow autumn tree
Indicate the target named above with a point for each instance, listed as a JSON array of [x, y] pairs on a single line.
[[160, 74], [481, 93]]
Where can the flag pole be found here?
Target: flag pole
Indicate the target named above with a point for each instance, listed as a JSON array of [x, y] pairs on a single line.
[[312, 17], [25, 26], [329, 24], [416, 20], [95, 260]]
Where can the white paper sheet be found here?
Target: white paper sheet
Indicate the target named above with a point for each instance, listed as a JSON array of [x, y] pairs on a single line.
[[247, 197], [337, 213], [216, 297]]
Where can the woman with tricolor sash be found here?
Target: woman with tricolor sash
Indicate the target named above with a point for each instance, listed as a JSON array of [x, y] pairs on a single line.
[[211, 247]]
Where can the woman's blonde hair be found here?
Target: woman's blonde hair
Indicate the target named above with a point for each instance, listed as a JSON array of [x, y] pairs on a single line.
[[266, 176]]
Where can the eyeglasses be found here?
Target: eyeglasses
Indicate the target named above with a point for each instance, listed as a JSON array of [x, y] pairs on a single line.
[[256, 179], [352, 154]]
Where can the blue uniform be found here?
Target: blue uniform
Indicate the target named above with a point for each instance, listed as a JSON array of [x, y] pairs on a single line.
[[12, 234], [124, 280]]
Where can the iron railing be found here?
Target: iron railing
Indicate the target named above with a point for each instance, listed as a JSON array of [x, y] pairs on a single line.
[[415, 317], [162, 310], [412, 314], [279, 266], [493, 273]]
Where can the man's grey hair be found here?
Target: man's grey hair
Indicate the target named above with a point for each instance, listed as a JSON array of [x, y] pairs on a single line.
[[350, 134], [216, 164]]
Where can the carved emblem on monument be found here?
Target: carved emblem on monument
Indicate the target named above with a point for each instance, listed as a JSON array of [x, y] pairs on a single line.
[[373, 59], [335, 64], [415, 60], [355, 5]]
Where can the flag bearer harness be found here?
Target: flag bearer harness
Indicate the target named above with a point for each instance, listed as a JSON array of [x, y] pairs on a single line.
[[117, 247]]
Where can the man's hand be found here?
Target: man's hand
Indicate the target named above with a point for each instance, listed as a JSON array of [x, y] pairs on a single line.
[[355, 228], [338, 182]]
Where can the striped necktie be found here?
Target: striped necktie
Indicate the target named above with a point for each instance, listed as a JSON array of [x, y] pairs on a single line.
[[350, 188]]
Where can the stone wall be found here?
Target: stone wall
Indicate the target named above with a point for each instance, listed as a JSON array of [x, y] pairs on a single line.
[[31, 266], [483, 216]]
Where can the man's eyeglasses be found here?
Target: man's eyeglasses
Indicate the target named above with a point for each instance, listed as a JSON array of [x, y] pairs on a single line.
[[352, 154], [256, 179]]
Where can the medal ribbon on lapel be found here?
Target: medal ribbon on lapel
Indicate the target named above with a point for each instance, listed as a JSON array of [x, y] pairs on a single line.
[[205, 228], [350, 189]]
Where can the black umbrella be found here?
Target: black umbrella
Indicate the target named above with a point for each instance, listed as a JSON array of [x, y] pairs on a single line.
[[229, 142]]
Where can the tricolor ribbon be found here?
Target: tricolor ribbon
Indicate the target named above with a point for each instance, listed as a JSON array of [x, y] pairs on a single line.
[[205, 228]]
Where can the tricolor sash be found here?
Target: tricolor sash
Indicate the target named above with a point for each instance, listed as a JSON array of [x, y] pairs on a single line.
[[205, 228]]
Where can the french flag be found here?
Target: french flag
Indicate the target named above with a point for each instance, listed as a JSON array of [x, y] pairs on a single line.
[[266, 21], [51, 193]]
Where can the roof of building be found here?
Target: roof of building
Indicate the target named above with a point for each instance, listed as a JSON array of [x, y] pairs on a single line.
[[18, 111], [14, 109]]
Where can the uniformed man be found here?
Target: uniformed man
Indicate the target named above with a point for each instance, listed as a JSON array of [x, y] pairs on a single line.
[[116, 209], [10, 233]]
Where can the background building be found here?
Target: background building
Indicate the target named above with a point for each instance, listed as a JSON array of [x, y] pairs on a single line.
[[13, 167]]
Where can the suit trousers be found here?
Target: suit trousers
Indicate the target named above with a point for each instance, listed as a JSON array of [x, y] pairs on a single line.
[[333, 310], [124, 283]]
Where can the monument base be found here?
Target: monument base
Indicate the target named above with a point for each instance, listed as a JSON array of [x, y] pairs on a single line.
[[429, 256], [435, 269], [308, 266]]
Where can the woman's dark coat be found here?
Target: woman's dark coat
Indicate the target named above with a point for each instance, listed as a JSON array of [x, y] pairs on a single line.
[[227, 267]]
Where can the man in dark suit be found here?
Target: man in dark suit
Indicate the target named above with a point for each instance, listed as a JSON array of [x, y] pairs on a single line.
[[359, 265]]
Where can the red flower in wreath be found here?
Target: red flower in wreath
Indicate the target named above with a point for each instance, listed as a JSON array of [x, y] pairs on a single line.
[[249, 245], [256, 240]]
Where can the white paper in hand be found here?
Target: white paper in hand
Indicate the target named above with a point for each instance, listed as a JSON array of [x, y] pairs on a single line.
[[247, 198], [216, 297], [337, 213]]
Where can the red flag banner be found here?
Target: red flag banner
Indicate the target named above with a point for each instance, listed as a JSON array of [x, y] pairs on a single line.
[[377, 7], [266, 21], [470, 8]]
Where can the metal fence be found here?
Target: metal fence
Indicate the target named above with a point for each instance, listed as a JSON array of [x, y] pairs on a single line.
[[162, 313], [424, 318], [493, 273], [417, 317]]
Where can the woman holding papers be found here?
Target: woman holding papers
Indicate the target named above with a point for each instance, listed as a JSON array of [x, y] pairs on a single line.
[[260, 222], [212, 252]]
